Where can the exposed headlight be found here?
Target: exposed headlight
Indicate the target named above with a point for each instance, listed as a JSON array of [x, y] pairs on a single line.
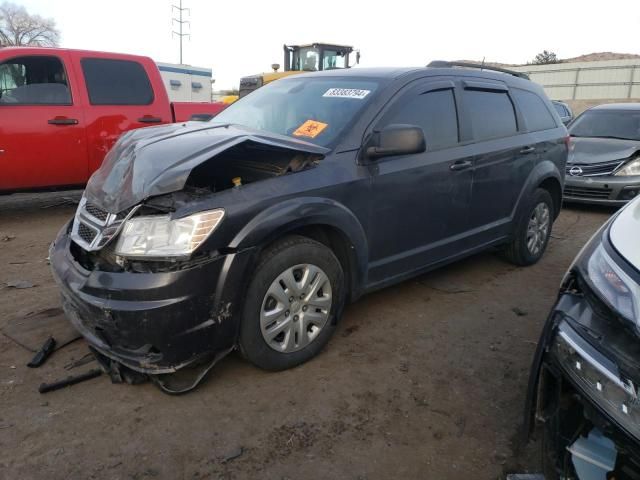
[[598, 378], [159, 236], [613, 285], [630, 169]]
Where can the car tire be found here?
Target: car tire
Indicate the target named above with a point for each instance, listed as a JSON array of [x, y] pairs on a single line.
[[293, 302], [532, 231]]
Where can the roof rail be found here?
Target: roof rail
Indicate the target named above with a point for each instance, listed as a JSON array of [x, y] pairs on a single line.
[[481, 66]]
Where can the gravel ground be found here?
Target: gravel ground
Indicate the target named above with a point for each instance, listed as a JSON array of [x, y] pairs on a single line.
[[425, 379]]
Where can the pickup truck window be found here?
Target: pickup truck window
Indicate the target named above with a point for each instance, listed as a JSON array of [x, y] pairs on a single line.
[[34, 80], [316, 110], [116, 82]]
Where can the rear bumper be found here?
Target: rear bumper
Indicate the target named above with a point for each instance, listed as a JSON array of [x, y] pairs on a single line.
[[153, 322], [606, 190]]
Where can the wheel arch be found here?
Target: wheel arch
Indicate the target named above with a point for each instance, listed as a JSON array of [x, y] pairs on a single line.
[[320, 219], [554, 187], [547, 176]]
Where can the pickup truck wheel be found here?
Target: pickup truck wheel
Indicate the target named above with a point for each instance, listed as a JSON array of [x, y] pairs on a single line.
[[292, 305], [533, 230]]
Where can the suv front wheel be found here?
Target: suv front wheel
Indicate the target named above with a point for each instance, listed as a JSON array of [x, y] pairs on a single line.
[[533, 230], [292, 304]]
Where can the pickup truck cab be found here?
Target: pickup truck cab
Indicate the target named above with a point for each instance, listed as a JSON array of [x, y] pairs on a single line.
[[62, 110]]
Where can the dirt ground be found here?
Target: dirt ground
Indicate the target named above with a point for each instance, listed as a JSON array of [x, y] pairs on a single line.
[[426, 379]]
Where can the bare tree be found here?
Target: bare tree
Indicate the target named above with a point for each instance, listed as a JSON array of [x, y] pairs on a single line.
[[18, 27], [545, 58]]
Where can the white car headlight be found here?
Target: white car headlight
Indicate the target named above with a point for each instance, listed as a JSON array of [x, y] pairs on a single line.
[[614, 285], [159, 236], [630, 169]]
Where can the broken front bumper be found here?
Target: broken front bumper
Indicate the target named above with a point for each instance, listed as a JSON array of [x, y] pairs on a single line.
[[153, 322], [580, 387]]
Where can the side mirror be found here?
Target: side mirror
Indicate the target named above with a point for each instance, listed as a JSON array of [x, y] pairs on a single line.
[[396, 139]]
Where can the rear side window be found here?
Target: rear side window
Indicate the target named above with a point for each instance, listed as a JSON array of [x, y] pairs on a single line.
[[116, 82], [533, 109], [560, 109], [435, 112], [491, 114], [34, 80]]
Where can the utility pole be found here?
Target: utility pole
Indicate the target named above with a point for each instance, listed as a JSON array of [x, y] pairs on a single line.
[[180, 22]]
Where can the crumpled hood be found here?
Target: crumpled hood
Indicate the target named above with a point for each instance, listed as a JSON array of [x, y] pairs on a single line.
[[158, 160], [597, 150], [625, 232]]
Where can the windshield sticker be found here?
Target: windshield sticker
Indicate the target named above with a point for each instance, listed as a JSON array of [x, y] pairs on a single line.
[[356, 93], [310, 128]]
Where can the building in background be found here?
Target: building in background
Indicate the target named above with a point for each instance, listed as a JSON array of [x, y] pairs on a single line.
[[185, 83], [583, 84]]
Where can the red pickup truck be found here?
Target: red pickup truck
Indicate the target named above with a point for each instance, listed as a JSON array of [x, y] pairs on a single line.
[[62, 110]]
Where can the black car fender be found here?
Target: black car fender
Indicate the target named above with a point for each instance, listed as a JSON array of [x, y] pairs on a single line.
[[546, 175], [295, 214]]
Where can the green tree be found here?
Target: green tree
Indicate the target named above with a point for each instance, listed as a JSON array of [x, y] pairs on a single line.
[[545, 58]]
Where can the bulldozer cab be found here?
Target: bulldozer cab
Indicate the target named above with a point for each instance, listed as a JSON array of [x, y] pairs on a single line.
[[317, 56], [303, 58]]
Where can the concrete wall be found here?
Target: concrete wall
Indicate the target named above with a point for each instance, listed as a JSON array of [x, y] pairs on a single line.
[[185, 83], [612, 79], [588, 83]]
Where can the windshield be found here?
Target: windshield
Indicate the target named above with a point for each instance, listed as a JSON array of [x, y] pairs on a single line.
[[607, 124], [307, 59], [333, 59], [312, 109]]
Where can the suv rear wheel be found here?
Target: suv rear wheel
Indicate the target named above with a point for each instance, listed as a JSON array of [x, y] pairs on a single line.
[[533, 230], [292, 304]]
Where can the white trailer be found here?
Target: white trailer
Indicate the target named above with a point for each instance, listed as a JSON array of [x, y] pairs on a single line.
[[185, 83]]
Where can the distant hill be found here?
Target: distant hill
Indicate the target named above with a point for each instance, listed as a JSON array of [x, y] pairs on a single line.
[[594, 57], [589, 57]]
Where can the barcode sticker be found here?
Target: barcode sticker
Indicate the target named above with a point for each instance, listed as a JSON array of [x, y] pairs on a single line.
[[356, 93]]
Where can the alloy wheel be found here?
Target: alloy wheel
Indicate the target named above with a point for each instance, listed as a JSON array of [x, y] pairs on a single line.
[[538, 228]]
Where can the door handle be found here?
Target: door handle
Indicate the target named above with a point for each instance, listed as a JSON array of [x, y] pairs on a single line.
[[528, 149], [62, 121], [460, 165], [149, 119]]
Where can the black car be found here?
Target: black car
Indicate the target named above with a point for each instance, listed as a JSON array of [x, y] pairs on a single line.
[[583, 390], [604, 164], [564, 111], [255, 229]]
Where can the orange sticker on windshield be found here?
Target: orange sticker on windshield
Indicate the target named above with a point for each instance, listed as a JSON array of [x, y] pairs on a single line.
[[310, 128]]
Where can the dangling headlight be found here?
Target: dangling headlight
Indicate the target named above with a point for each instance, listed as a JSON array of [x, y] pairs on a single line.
[[159, 236]]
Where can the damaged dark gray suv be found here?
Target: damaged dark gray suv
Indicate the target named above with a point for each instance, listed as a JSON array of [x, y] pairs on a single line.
[[253, 230]]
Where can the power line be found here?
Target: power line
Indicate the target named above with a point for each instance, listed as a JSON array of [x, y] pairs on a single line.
[[180, 23]]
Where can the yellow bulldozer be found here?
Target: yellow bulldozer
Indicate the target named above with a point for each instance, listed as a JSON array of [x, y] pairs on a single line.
[[302, 58]]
